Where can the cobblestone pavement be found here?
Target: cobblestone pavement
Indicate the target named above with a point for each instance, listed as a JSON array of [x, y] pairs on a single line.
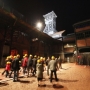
[[71, 77]]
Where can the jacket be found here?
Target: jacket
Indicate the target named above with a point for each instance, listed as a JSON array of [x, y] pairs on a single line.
[[39, 70], [15, 64], [24, 63], [52, 65]]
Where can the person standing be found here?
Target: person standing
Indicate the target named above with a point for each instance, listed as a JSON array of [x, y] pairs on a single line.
[[52, 65], [39, 67]]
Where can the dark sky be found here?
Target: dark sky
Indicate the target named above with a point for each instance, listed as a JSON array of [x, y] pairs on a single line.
[[68, 12]]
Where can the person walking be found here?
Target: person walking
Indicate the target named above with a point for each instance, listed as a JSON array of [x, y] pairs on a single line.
[[6, 60], [52, 65], [34, 65], [24, 63], [29, 64], [39, 67], [8, 67], [16, 67]]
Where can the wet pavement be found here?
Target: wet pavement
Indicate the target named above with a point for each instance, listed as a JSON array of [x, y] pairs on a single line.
[[71, 77]]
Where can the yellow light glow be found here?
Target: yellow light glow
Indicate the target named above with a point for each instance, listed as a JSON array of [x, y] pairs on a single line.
[[39, 25]]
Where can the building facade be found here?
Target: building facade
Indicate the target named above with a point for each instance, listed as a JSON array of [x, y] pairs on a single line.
[[82, 33], [17, 36]]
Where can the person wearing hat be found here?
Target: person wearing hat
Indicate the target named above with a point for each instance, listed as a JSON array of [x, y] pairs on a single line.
[[16, 67], [10, 74], [52, 65], [34, 64], [39, 72], [6, 60], [8, 67], [29, 64], [24, 63]]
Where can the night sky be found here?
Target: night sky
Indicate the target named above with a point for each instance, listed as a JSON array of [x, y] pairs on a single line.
[[68, 12]]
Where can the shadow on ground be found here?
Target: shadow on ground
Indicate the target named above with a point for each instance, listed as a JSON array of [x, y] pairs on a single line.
[[3, 84], [66, 68], [53, 86], [66, 81], [26, 81]]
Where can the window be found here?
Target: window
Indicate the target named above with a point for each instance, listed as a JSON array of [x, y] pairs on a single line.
[[87, 34], [80, 35]]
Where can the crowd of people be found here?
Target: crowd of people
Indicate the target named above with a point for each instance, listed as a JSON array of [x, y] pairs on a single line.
[[31, 65]]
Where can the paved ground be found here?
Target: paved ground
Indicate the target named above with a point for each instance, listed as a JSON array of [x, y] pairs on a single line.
[[71, 77]]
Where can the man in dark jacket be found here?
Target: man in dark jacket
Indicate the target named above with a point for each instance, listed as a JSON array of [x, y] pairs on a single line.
[[29, 64], [34, 64], [16, 67]]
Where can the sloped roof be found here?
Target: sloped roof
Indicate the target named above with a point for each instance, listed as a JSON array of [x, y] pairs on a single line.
[[9, 19]]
